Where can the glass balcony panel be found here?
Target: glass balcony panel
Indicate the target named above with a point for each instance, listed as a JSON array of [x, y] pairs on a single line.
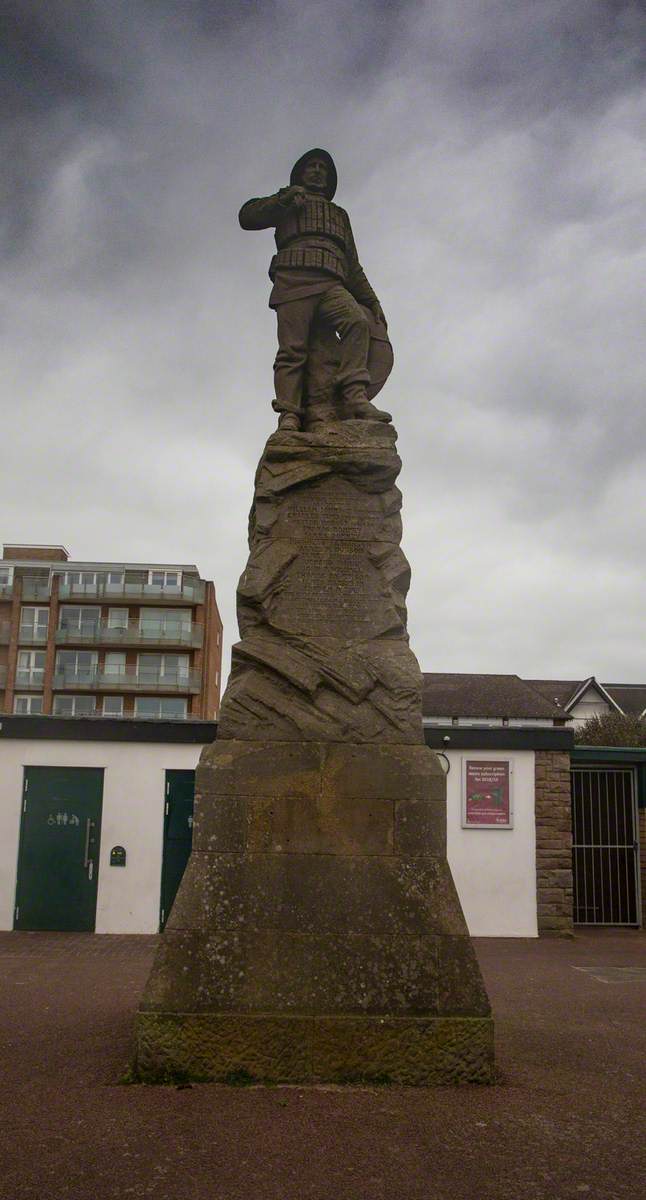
[[36, 589], [30, 677], [192, 591], [128, 680]]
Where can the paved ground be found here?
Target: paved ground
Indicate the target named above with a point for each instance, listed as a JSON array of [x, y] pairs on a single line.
[[567, 1119]]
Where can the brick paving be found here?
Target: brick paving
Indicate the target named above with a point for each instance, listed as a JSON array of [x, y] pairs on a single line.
[[566, 1119]]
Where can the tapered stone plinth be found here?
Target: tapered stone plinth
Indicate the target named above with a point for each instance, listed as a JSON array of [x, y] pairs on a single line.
[[317, 934]]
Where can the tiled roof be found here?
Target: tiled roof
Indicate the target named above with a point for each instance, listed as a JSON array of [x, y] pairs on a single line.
[[557, 691], [450, 695], [631, 697]]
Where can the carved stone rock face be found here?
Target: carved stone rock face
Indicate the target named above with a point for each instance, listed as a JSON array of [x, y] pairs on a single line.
[[324, 653]]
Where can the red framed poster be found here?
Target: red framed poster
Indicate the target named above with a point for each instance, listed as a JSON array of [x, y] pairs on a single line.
[[486, 794]]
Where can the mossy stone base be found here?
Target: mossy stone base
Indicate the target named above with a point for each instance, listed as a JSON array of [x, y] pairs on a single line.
[[228, 1047], [317, 934]]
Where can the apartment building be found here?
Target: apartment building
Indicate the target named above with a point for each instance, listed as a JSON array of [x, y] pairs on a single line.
[[106, 639]]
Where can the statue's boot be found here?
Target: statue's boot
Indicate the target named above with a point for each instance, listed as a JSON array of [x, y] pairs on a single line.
[[288, 422], [319, 412], [363, 410]]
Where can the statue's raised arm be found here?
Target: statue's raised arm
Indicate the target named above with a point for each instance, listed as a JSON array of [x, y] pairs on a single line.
[[333, 349]]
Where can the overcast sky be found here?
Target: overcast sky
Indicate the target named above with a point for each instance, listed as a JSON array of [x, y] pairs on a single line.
[[491, 157]]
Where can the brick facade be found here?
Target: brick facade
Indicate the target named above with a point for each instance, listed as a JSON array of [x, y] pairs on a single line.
[[31, 586], [553, 842]]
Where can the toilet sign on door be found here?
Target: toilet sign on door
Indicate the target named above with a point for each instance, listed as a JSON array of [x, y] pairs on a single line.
[[486, 794]]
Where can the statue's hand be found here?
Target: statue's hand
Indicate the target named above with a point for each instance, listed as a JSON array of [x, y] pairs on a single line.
[[378, 313], [294, 196]]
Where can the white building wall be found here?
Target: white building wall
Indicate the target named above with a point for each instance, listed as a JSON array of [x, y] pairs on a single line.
[[591, 704], [133, 817], [495, 869]]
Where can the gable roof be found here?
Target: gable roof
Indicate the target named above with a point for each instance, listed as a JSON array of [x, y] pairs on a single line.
[[627, 697], [598, 687], [469, 695]]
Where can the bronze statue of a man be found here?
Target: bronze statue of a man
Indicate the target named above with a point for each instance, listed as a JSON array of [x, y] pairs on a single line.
[[318, 284]]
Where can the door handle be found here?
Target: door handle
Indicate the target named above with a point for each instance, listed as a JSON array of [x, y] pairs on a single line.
[[88, 830]]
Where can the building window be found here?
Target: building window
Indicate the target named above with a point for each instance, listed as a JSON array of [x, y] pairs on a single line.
[[164, 708], [164, 579], [6, 576], [30, 668], [74, 706], [84, 620], [24, 705], [115, 663], [118, 618], [162, 668], [113, 706], [114, 581], [156, 623], [33, 624], [76, 666], [80, 579]]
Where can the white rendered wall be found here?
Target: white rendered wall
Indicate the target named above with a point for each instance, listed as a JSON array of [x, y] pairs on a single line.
[[591, 704], [495, 869], [133, 817]]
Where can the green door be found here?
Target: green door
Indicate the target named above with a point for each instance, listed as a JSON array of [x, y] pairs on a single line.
[[58, 861], [178, 836]]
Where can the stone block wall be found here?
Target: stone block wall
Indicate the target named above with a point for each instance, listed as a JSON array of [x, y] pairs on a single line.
[[553, 842]]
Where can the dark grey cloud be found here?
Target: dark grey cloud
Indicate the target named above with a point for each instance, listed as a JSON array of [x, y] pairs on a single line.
[[491, 157]]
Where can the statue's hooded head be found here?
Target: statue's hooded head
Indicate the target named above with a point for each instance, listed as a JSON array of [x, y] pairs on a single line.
[[299, 167]]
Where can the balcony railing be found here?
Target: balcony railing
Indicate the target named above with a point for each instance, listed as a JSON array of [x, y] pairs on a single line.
[[28, 636], [129, 716], [6, 591], [132, 634], [35, 589], [5, 633], [167, 682], [32, 678], [142, 593], [3, 676]]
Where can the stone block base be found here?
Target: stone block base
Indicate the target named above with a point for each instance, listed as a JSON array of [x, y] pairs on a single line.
[[317, 933], [233, 1047]]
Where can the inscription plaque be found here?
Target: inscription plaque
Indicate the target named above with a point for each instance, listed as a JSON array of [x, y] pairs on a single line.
[[337, 510], [330, 592]]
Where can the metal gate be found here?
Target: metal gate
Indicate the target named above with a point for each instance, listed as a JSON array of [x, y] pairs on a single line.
[[605, 855]]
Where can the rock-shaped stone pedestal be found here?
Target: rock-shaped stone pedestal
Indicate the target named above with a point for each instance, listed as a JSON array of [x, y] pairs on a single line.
[[317, 934]]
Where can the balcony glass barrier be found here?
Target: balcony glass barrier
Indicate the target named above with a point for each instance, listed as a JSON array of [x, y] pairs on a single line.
[[30, 634], [30, 678], [36, 589], [133, 634], [122, 681], [193, 592]]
